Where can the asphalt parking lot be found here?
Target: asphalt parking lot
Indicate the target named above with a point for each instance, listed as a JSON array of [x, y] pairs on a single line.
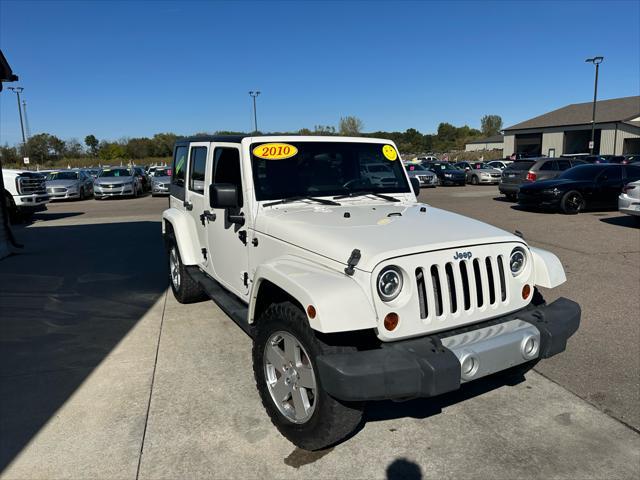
[[104, 375]]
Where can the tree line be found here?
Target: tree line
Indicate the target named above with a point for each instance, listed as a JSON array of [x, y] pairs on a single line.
[[44, 147]]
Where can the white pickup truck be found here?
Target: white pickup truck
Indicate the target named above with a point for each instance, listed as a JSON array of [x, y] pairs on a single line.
[[25, 193], [351, 289]]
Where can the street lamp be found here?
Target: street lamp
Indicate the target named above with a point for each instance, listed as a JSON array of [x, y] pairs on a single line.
[[18, 91], [596, 61], [255, 115]]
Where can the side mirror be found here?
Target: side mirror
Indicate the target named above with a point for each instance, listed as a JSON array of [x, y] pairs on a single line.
[[415, 185], [223, 195]]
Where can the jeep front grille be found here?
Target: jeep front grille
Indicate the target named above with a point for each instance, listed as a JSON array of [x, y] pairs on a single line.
[[465, 284], [31, 184]]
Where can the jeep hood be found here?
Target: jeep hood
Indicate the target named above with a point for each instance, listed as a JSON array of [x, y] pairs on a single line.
[[379, 231]]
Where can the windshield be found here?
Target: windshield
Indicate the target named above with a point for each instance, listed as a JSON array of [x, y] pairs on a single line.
[[482, 166], [411, 168], [161, 172], [117, 172], [581, 172], [440, 166], [62, 176], [325, 169]]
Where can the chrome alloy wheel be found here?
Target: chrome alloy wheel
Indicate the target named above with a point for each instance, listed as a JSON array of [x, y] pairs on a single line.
[[290, 377], [174, 268], [574, 202]]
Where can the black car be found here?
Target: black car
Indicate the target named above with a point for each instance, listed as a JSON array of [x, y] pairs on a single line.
[[144, 178], [581, 187], [447, 174]]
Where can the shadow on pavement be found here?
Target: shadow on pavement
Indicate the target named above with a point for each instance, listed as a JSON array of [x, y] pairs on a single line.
[[422, 408], [404, 469], [623, 221], [65, 303]]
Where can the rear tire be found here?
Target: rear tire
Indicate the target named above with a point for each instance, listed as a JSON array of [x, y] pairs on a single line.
[[572, 203], [81, 196], [185, 288], [316, 420]]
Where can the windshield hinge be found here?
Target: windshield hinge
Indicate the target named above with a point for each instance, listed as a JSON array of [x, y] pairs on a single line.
[[245, 279], [204, 253], [352, 262]]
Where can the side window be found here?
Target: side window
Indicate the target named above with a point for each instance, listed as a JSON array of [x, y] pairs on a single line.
[[633, 172], [198, 161], [549, 166], [564, 164], [612, 174], [179, 166], [226, 167]]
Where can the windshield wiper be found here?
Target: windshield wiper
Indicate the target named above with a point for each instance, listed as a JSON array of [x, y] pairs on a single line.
[[362, 193], [297, 198]]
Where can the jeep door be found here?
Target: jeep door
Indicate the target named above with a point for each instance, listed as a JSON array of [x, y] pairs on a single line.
[[194, 190], [227, 234]]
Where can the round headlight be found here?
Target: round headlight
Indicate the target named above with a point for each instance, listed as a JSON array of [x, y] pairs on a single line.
[[517, 261], [389, 283]]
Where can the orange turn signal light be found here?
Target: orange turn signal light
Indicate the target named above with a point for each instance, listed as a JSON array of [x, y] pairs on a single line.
[[311, 311], [526, 291], [391, 321]]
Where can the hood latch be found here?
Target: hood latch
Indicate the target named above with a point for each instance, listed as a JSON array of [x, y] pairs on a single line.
[[352, 262]]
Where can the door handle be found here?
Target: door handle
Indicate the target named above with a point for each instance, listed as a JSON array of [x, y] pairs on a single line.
[[207, 215]]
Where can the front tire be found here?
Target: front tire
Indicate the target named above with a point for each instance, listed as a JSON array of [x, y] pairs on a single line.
[[185, 288], [284, 365], [572, 203], [475, 180]]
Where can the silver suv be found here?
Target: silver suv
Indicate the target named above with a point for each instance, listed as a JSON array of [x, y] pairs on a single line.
[[531, 170]]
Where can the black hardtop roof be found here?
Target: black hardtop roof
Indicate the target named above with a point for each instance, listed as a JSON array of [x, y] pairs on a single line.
[[213, 138]]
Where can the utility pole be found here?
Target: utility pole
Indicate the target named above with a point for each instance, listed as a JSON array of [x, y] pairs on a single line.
[[19, 90], [26, 120], [254, 95], [596, 61]]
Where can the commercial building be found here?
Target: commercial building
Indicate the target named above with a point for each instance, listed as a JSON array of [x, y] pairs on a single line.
[[494, 142], [568, 130]]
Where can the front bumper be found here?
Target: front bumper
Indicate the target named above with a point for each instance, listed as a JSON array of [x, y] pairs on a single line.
[[628, 205], [453, 180], [64, 195], [489, 180], [432, 365], [34, 203], [119, 191], [159, 190]]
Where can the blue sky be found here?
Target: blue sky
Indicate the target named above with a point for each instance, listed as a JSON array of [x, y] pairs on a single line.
[[124, 69]]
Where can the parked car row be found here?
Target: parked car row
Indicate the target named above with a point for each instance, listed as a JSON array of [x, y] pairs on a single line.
[[105, 182]]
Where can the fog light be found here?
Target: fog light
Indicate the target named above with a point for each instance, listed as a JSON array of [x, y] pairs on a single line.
[[311, 311], [469, 366], [391, 321], [526, 291], [530, 347]]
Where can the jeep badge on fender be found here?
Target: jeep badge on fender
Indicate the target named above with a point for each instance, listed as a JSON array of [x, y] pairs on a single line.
[[320, 251]]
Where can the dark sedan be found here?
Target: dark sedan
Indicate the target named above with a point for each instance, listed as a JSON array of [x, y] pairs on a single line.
[[447, 174], [585, 186]]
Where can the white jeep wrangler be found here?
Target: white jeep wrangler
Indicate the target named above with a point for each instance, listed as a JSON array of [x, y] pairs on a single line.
[[350, 288]]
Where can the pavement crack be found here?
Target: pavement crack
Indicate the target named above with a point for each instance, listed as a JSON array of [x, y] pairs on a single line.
[[153, 378]]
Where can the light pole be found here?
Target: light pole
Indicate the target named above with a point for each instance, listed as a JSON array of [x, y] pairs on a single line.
[[596, 61], [254, 95], [19, 90], [26, 118]]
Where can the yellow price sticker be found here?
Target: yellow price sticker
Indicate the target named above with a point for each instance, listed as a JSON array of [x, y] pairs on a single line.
[[275, 151], [389, 153]]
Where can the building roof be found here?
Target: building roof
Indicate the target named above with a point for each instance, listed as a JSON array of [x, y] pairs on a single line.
[[613, 110], [492, 139], [6, 74]]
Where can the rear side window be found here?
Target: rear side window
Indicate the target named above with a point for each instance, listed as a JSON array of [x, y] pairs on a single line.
[[612, 173], [198, 162], [564, 164], [179, 166], [550, 165]]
